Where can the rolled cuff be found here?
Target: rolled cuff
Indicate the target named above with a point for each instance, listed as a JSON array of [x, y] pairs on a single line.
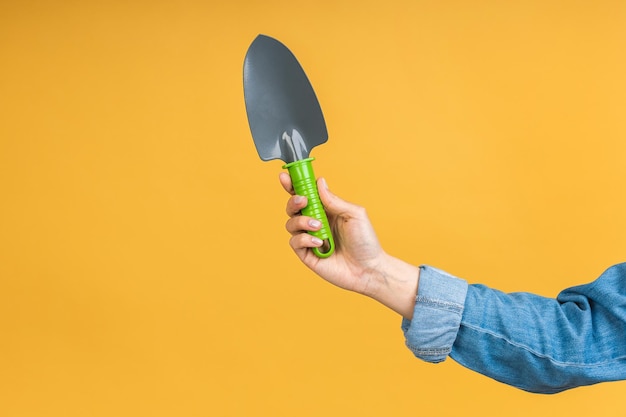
[[437, 315]]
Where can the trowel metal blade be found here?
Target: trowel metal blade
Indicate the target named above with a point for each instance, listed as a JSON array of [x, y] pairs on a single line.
[[284, 114]]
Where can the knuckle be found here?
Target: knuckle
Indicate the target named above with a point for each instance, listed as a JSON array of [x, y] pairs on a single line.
[[296, 242], [295, 224], [300, 241]]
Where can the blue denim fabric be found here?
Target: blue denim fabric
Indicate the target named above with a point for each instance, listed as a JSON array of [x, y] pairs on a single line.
[[437, 315], [535, 343]]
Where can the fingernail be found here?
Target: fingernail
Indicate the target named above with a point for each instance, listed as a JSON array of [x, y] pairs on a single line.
[[314, 223], [298, 199], [324, 183], [317, 241]]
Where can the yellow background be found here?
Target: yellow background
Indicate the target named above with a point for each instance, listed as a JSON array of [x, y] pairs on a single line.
[[144, 266]]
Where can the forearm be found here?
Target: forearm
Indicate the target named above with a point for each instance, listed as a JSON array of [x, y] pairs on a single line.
[[535, 343], [543, 344]]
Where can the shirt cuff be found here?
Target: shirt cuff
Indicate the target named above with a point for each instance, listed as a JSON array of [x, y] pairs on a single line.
[[437, 315]]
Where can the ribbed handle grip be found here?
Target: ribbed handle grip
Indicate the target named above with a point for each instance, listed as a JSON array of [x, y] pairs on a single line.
[[304, 183]]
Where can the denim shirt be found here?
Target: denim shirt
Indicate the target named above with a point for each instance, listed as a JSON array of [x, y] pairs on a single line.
[[535, 343]]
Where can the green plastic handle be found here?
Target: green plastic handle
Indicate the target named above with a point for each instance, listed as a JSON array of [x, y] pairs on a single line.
[[304, 183]]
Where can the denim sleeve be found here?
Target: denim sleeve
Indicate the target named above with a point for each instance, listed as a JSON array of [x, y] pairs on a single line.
[[534, 343], [437, 315], [547, 345]]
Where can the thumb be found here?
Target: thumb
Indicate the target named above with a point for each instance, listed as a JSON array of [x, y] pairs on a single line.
[[332, 203]]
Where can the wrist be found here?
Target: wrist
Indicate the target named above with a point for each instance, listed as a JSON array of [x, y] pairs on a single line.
[[393, 283]]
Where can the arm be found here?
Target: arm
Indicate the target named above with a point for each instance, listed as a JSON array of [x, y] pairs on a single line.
[[547, 345], [534, 343]]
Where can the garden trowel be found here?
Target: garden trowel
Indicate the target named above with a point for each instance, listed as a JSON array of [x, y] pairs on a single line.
[[286, 121]]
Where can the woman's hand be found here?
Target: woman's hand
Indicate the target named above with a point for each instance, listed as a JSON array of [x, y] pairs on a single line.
[[359, 262]]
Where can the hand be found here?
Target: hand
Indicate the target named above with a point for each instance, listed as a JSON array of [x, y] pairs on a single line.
[[357, 251], [359, 262]]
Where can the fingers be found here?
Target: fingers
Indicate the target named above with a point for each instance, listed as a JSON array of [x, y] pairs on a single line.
[[295, 204], [285, 181], [333, 205], [299, 224], [304, 241]]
